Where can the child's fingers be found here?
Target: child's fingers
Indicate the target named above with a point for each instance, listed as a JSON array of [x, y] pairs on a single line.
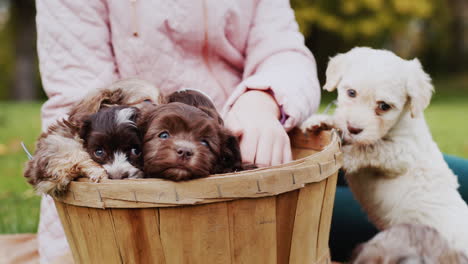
[[264, 149], [248, 147], [287, 154], [233, 124], [278, 150]]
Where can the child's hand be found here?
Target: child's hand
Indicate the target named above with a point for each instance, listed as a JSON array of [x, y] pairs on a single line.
[[263, 140]]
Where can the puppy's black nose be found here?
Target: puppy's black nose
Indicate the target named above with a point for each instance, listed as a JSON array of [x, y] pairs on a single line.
[[184, 152], [354, 130]]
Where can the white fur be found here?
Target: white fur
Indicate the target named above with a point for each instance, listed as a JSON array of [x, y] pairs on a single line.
[[124, 116], [120, 166], [393, 167]]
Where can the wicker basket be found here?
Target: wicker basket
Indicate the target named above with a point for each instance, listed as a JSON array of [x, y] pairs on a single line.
[[273, 215]]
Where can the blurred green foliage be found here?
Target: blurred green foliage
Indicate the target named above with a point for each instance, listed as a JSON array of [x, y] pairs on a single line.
[[371, 19], [410, 28]]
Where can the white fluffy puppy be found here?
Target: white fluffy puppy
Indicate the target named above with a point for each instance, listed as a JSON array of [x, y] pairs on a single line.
[[393, 166]]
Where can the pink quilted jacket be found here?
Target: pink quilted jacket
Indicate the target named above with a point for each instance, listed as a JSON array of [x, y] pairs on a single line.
[[219, 46]]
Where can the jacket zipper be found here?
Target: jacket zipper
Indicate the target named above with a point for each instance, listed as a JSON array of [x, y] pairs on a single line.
[[134, 18], [206, 51]]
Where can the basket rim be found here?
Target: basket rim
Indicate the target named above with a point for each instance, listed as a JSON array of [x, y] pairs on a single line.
[[261, 182]]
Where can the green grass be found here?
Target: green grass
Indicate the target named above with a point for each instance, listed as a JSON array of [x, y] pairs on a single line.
[[19, 206]]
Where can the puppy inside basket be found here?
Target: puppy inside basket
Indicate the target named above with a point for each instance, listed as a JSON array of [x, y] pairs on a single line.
[[178, 137], [184, 139], [60, 156]]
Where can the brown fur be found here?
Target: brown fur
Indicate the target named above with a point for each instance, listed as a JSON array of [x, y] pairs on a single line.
[[196, 99], [189, 118], [60, 156], [187, 127], [405, 244]]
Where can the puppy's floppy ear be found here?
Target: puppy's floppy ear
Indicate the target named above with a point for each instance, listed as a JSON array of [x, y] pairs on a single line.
[[136, 115], [92, 102], [145, 114], [229, 158], [334, 72], [212, 113], [85, 128], [192, 97], [418, 87]]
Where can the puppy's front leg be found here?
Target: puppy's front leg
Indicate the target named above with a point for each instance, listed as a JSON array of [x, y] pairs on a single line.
[[62, 172], [385, 156], [92, 170], [317, 123], [58, 160]]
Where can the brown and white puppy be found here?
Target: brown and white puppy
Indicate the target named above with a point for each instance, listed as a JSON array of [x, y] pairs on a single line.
[[407, 244], [60, 156], [185, 139], [112, 139]]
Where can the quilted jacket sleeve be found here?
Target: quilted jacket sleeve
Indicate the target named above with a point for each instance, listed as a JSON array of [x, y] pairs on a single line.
[[278, 60], [75, 53]]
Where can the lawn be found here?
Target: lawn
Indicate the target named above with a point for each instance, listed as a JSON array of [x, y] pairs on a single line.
[[19, 206]]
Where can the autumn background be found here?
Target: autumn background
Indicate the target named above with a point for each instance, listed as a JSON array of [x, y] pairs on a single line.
[[435, 31]]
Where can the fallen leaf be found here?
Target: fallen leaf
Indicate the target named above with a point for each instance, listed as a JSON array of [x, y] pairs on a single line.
[[3, 149]]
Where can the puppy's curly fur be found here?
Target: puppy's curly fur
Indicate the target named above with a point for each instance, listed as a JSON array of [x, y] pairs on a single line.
[[407, 243], [60, 156], [393, 166], [185, 139]]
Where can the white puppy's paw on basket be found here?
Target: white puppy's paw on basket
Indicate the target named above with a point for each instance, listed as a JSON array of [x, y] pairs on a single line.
[[279, 214]]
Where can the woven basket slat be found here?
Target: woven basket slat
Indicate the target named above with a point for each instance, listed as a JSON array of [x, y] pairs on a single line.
[[279, 215], [143, 225], [250, 184]]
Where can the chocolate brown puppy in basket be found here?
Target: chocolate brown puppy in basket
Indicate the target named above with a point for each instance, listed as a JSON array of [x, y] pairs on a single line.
[[82, 145], [184, 138]]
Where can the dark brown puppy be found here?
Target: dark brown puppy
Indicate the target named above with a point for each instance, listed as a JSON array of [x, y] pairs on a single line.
[[231, 159], [113, 140], [183, 142]]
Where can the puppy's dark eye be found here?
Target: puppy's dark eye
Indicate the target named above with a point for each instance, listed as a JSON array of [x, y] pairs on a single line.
[[384, 107], [135, 151], [147, 101], [99, 153], [205, 143], [351, 93], [164, 135]]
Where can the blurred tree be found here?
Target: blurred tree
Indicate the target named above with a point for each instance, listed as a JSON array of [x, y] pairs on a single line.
[[6, 54], [459, 33], [409, 28], [23, 14]]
